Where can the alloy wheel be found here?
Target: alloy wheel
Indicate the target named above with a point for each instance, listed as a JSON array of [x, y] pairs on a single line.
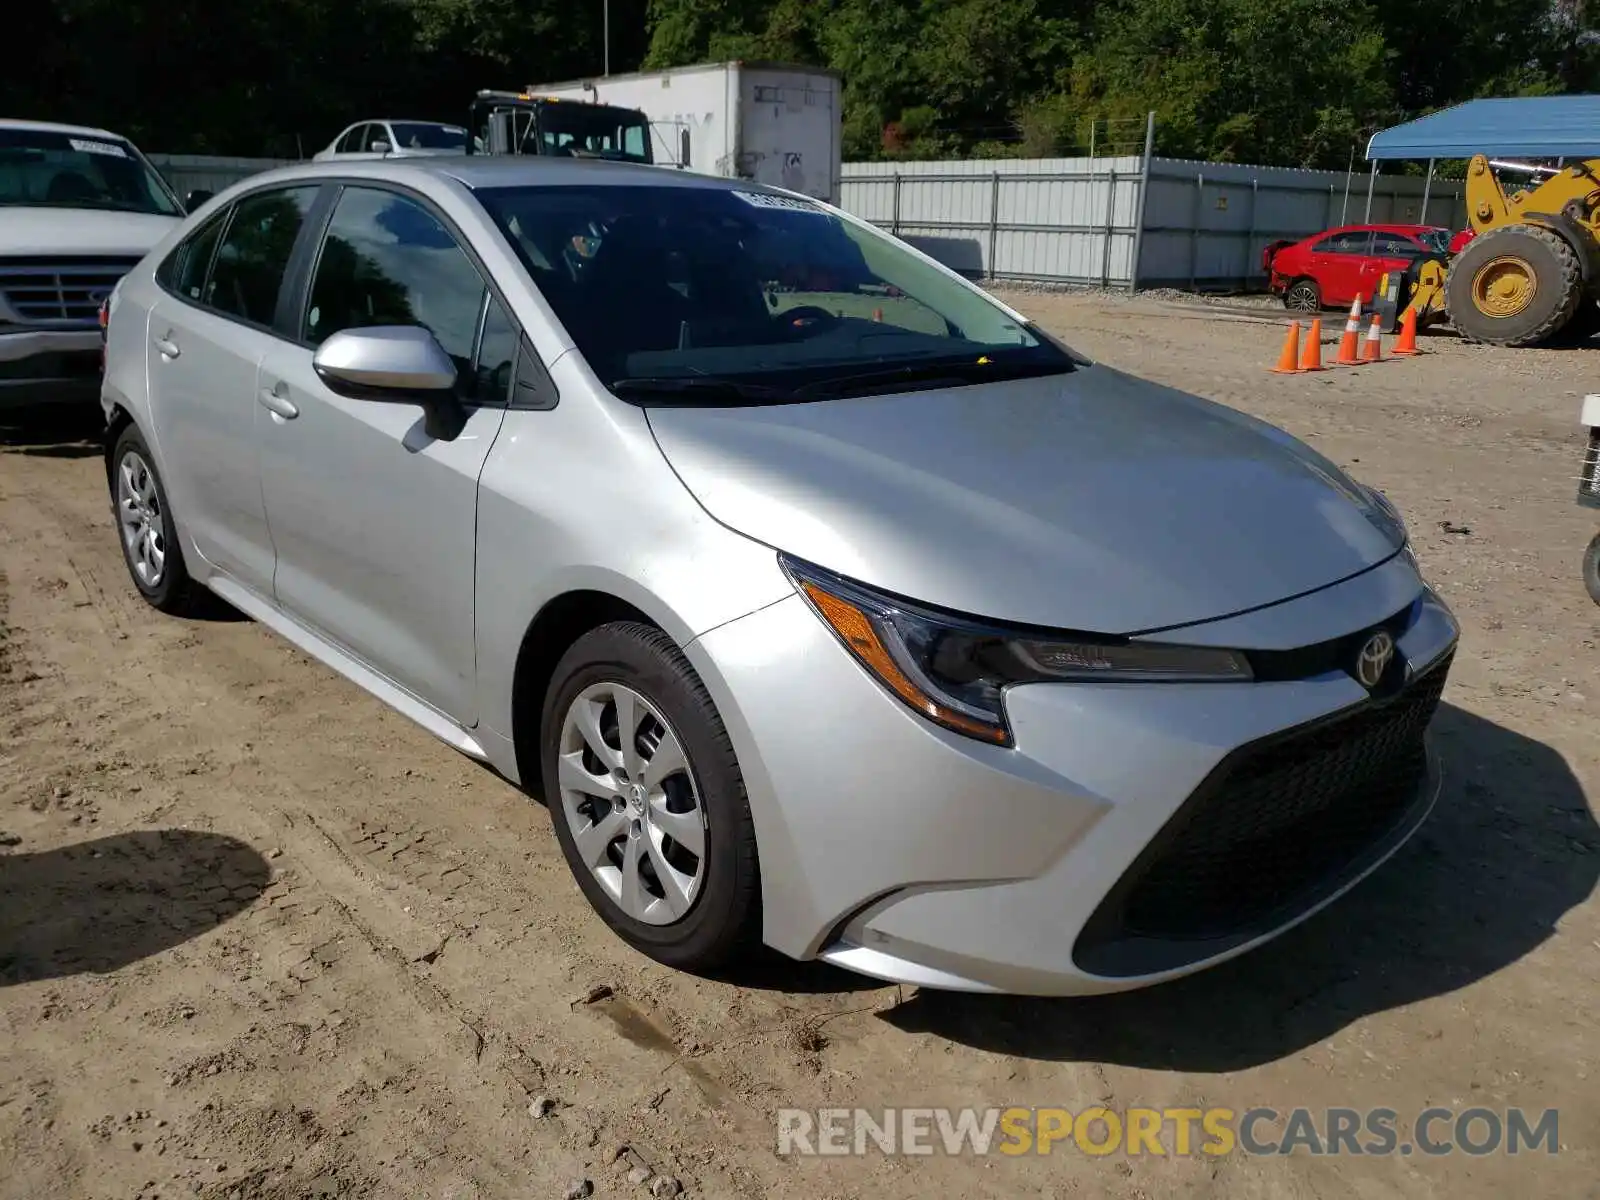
[[631, 802], [1302, 297], [143, 526]]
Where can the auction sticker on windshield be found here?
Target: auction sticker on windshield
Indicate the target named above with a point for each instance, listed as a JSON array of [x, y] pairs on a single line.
[[88, 147], [767, 200]]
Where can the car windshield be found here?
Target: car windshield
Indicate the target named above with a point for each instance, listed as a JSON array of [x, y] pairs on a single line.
[[761, 296], [1437, 240], [419, 135], [73, 170], [594, 129]]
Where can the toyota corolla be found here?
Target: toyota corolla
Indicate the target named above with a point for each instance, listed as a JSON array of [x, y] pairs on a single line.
[[863, 618]]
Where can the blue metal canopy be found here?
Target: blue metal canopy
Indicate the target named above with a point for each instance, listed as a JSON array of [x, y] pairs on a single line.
[[1529, 126]]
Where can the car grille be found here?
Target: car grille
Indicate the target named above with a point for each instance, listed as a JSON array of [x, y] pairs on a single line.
[[1589, 481], [60, 288], [1275, 826]]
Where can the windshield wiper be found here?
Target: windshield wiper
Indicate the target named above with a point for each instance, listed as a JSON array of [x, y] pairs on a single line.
[[699, 389], [960, 372]]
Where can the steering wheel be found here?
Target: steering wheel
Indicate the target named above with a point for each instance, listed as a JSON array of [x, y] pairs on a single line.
[[809, 319]]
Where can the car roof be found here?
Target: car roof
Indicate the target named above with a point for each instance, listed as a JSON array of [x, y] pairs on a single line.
[[51, 127], [504, 170], [404, 121], [1395, 227]]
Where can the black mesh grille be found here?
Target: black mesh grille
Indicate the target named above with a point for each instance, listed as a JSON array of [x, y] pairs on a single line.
[[60, 289], [1273, 826]]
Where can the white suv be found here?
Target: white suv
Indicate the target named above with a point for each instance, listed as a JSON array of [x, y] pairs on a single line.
[[78, 208]]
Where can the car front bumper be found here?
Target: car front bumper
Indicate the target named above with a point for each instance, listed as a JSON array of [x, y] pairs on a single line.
[[44, 366], [1135, 833]]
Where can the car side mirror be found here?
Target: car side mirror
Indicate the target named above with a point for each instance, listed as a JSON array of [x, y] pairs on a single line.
[[380, 147], [398, 364], [197, 197]]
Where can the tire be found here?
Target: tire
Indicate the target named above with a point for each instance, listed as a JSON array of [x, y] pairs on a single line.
[[1591, 569], [1303, 295], [1529, 315], [715, 920], [145, 528]]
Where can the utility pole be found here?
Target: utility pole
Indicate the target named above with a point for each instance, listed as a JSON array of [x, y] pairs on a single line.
[[606, 7]]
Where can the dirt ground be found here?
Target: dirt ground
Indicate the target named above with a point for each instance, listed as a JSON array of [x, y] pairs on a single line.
[[262, 938]]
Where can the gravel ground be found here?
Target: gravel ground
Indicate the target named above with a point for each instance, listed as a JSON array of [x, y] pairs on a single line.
[[262, 939]]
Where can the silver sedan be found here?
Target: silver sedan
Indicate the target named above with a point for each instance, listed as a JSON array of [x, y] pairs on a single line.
[[823, 599]]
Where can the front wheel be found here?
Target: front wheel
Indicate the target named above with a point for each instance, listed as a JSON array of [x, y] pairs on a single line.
[[1591, 569], [1514, 286], [647, 799]]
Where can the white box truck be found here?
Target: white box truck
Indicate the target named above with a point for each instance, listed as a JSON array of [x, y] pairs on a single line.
[[771, 122]]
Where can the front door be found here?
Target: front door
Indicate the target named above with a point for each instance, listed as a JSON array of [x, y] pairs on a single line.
[[374, 520], [208, 334]]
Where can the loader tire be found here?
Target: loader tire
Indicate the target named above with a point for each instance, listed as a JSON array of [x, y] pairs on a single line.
[[1517, 286]]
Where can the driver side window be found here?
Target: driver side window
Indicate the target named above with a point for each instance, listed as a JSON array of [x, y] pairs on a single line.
[[387, 260], [353, 140]]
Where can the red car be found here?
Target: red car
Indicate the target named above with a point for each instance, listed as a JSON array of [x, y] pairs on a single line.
[[1332, 268]]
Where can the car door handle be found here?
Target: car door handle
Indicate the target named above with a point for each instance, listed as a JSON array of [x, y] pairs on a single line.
[[167, 347], [278, 405]]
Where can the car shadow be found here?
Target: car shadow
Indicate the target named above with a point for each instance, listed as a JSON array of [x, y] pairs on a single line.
[[66, 430], [96, 906], [1509, 849]]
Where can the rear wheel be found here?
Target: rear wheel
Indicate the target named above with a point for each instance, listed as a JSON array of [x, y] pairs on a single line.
[[1591, 569], [1303, 296], [1517, 286], [144, 524]]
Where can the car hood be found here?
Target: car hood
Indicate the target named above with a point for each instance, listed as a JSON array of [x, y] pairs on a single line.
[[46, 231], [1093, 501]]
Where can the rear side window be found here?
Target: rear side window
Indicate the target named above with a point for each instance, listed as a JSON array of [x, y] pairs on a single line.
[[184, 271], [1351, 242], [254, 254]]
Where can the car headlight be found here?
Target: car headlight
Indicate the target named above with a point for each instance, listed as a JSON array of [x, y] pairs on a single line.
[[954, 670]]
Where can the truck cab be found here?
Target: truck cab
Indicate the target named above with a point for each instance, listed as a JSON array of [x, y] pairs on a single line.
[[528, 123], [78, 208]]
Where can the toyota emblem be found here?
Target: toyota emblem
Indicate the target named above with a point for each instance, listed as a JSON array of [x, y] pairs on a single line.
[[1376, 655]]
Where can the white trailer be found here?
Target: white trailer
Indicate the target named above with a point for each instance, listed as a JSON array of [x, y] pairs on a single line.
[[770, 122]]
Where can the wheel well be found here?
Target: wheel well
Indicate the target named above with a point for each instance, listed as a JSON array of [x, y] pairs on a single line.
[[559, 624], [115, 424]]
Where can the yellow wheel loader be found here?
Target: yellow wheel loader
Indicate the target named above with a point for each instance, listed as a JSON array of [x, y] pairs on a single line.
[[1532, 274]]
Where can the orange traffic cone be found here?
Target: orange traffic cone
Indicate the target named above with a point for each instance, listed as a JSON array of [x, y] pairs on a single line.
[[1311, 355], [1349, 344], [1373, 350], [1406, 343], [1289, 360]]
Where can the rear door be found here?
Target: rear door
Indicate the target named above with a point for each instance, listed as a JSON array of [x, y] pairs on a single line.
[[1338, 265], [208, 333]]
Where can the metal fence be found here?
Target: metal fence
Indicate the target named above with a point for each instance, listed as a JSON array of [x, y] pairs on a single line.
[[1070, 220], [187, 172], [1112, 222]]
